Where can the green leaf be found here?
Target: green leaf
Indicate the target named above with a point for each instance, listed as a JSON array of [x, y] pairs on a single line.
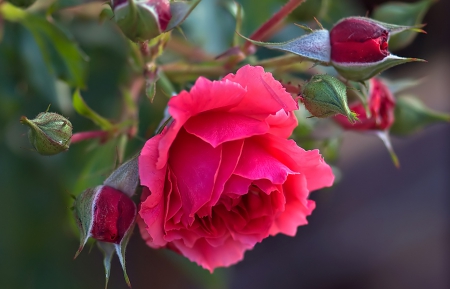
[[180, 11], [410, 14], [83, 109], [60, 53]]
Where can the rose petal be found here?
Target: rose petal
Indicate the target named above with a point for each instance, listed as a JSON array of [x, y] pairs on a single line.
[[210, 257], [264, 94], [195, 164], [282, 124], [217, 127], [256, 163], [309, 163], [297, 207], [205, 95]]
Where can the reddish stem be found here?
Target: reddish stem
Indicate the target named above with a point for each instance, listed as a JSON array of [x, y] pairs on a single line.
[[262, 31], [85, 135]]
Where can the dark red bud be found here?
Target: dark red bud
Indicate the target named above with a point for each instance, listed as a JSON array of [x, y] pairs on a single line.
[[357, 40], [114, 213], [381, 104]]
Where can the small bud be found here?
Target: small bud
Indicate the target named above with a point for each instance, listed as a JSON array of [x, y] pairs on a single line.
[[49, 132], [325, 96], [411, 115], [381, 104], [359, 47], [142, 20]]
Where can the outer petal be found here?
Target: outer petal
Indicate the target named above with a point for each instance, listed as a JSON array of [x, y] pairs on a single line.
[[318, 174], [217, 127], [205, 95], [256, 163], [152, 208], [282, 124], [210, 257], [264, 94], [297, 207]]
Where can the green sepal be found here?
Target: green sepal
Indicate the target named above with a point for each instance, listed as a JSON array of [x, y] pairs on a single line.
[[384, 136], [125, 178], [314, 46], [108, 250], [325, 96], [399, 13], [180, 11], [137, 21], [83, 212], [121, 248], [411, 115], [364, 71]]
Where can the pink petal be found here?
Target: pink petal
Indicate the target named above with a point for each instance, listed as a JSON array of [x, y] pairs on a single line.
[[217, 127], [195, 165], [152, 208], [210, 257], [205, 95], [152, 221], [309, 163], [297, 207], [265, 95], [282, 124], [256, 163], [231, 152]]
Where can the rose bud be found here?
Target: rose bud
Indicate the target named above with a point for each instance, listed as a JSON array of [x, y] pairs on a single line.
[[107, 214], [104, 214], [142, 20], [381, 104], [325, 96], [411, 115], [359, 47], [49, 132]]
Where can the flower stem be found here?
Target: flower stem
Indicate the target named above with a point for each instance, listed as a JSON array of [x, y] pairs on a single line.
[[85, 135]]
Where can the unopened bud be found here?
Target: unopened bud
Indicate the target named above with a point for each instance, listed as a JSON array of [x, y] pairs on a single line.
[[49, 132], [104, 214], [325, 96], [142, 20], [359, 47]]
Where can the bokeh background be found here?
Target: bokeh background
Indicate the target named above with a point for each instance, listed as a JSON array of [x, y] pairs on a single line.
[[379, 227]]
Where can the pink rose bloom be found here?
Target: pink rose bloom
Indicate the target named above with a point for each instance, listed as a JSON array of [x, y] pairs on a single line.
[[223, 176]]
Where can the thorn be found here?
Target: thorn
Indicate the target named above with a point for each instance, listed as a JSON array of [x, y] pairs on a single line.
[[318, 23]]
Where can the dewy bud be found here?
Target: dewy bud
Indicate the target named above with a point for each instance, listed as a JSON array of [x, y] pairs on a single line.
[[142, 20], [359, 47], [381, 104], [49, 132], [411, 115], [325, 96]]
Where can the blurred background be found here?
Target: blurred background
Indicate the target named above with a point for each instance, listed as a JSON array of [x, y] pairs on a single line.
[[378, 228]]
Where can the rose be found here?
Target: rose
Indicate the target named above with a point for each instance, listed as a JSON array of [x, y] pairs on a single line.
[[223, 176], [381, 103], [359, 47]]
